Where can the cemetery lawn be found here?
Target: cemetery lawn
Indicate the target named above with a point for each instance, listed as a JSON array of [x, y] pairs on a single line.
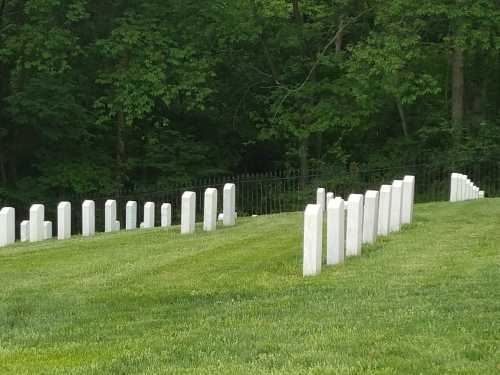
[[426, 300]]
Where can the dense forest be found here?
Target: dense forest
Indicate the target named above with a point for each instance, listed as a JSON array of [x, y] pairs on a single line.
[[98, 96]]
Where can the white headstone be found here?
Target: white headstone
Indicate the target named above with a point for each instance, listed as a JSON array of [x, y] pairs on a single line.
[[329, 197], [25, 231], [210, 210], [141, 225], [188, 212], [466, 190], [64, 221], [47, 228], [396, 203], [384, 210], [117, 226], [370, 217], [149, 215], [37, 217], [354, 232], [166, 215], [7, 226], [228, 205], [454, 187], [335, 232], [459, 187], [463, 187], [233, 197], [109, 215], [313, 239], [321, 198], [88, 218], [408, 198], [481, 194], [131, 215], [220, 217]]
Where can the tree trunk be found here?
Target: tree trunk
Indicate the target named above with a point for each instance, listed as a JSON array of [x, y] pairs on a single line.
[[484, 99], [120, 143], [120, 148], [457, 95], [12, 170], [270, 62], [3, 172], [340, 37], [2, 10], [297, 13], [318, 137], [304, 161], [318, 145], [120, 123], [402, 116]]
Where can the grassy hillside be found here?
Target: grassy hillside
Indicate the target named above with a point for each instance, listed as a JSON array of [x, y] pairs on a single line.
[[426, 300]]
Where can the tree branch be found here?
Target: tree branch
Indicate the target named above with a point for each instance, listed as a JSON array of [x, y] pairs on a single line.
[[2, 10], [402, 116], [318, 60]]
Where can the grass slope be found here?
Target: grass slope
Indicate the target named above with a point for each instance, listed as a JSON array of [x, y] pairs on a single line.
[[426, 300]]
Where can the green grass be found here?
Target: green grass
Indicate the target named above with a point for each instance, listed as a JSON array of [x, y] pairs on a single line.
[[426, 300]]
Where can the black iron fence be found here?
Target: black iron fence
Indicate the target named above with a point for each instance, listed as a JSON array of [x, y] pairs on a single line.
[[285, 191]]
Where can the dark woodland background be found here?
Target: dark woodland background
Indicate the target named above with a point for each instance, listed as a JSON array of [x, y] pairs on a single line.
[[104, 96]]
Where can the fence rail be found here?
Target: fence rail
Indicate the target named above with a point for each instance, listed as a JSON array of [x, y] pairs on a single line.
[[283, 191]]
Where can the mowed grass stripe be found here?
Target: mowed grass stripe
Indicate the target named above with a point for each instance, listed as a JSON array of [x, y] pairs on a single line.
[[425, 300]]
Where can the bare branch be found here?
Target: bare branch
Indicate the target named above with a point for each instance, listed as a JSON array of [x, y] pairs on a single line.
[[339, 32]]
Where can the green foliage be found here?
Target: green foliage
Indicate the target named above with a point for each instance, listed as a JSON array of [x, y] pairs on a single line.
[[147, 67], [150, 93]]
